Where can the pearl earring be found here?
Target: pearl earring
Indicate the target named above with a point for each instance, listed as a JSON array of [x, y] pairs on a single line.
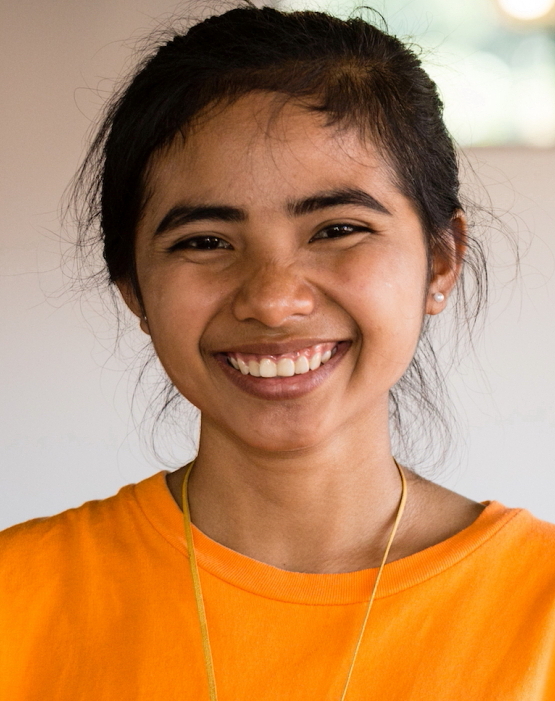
[[439, 297]]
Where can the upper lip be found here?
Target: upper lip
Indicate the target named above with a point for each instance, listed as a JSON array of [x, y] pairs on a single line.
[[278, 348]]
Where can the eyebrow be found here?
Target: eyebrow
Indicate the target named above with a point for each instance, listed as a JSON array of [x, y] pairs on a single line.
[[187, 214], [335, 198]]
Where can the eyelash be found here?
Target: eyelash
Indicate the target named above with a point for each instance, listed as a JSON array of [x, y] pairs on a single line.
[[213, 243], [343, 229], [192, 244]]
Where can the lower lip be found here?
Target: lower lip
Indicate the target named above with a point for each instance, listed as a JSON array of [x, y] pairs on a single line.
[[283, 387]]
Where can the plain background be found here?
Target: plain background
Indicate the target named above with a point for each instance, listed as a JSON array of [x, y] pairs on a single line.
[[66, 434]]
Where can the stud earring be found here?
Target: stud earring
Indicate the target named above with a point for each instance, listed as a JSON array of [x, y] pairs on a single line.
[[439, 297]]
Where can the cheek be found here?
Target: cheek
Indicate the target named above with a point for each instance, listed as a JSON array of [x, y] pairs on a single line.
[[179, 308], [384, 295]]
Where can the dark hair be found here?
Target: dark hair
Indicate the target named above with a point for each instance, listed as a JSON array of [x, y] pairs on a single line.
[[352, 72]]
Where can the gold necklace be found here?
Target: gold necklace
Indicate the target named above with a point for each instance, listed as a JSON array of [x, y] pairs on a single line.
[[207, 652]]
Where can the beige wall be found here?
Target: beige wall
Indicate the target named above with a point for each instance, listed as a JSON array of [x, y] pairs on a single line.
[[65, 431]]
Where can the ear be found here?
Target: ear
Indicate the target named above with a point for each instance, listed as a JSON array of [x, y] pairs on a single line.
[[130, 298], [446, 266]]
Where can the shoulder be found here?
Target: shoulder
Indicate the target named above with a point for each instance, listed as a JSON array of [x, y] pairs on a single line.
[[66, 576], [76, 538], [527, 534], [522, 526], [515, 536], [516, 556], [39, 532], [441, 514]]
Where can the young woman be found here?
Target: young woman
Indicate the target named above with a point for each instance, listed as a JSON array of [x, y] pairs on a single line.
[[278, 203]]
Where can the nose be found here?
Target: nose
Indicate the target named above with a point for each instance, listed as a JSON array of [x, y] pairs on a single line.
[[273, 294]]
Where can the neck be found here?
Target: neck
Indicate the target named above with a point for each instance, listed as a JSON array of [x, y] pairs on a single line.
[[328, 508]]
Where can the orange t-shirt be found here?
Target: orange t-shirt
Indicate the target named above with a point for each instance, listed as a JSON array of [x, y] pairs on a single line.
[[96, 604]]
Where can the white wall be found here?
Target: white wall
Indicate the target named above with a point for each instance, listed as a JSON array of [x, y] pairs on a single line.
[[508, 397], [65, 432]]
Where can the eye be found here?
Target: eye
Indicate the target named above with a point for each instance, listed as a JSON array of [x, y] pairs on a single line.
[[200, 243], [336, 231]]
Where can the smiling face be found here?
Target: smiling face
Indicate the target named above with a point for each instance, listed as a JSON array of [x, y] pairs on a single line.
[[283, 276]]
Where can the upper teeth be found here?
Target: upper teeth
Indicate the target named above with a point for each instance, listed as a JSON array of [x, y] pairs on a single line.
[[285, 365]]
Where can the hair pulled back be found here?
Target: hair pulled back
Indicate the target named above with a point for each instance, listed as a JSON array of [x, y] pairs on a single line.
[[350, 71]]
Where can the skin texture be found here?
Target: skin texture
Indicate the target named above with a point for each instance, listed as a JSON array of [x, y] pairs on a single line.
[[303, 480]]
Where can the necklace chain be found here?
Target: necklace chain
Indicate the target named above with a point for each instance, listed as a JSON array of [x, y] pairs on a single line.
[[206, 649]]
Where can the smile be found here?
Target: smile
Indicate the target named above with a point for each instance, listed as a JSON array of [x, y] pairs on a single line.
[[282, 371], [283, 365]]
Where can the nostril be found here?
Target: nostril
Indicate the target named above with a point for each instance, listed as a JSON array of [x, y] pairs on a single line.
[[272, 299]]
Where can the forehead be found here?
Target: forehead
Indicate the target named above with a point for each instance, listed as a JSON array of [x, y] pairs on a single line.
[[260, 150]]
